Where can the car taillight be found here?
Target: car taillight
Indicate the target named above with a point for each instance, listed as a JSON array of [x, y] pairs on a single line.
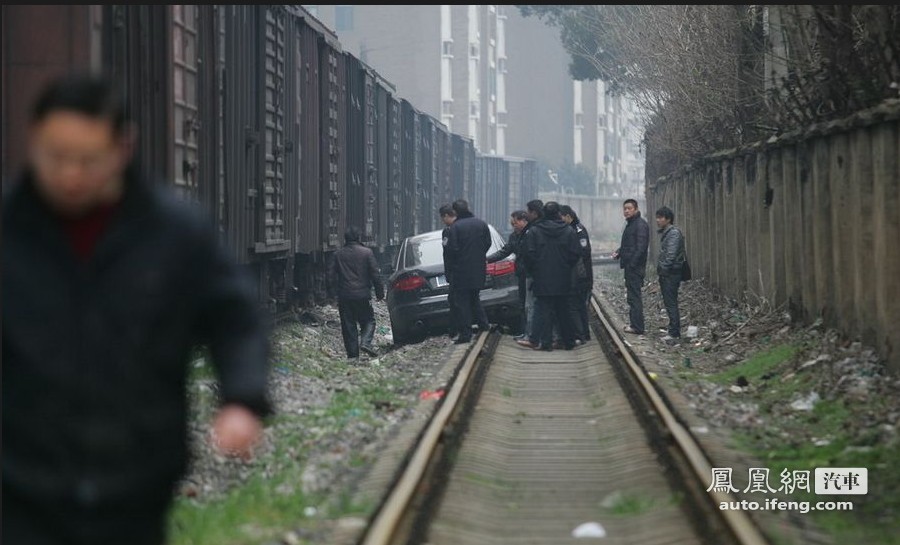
[[501, 268], [408, 283]]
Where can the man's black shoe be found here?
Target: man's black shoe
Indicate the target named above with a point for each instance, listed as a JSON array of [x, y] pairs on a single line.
[[369, 350]]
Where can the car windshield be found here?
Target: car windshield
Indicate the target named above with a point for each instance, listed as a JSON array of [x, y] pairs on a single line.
[[427, 251]]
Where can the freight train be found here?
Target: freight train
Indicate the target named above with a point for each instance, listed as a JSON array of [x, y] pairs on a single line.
[[258, 115]]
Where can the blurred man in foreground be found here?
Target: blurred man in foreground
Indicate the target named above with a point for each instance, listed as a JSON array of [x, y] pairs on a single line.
[[108, 283]]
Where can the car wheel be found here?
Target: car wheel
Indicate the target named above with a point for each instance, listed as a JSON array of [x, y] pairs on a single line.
[[400, 333]]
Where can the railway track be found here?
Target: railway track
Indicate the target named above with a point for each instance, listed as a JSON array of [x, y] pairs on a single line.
[[540, 447]]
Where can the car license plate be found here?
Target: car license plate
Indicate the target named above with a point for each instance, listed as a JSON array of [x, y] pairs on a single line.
[[440, 281]]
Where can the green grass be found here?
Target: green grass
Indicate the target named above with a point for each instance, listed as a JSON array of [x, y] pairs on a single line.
[[760, 365], [789, 442], [251, 514], [262, 508]]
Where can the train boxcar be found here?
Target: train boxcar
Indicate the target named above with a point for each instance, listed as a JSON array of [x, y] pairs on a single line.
[[360, 157], [394, 206], [410, 173], [387, 158], [491, 201], [257, 114], [428, 174], [444, 160]]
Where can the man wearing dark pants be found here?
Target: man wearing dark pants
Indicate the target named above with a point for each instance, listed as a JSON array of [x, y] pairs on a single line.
[[448, 216], [352, 273], [632, 256], [552, 250], [668, 267], [109, 281], [467, 244], [534, 211], [582, 277], [518, 220]]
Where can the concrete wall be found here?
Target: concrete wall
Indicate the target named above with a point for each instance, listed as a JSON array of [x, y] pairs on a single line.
[[601, 216], [809, 220]]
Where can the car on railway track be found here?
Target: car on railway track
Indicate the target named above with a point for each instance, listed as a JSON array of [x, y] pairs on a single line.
[[418, 288]]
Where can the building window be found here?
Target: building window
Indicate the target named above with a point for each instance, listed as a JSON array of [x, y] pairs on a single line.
[[601, 121], [447, 49], [343, 17], [501, 118], [579, 120], [474, 109], [447, 107], [473, 50], [501, 65]]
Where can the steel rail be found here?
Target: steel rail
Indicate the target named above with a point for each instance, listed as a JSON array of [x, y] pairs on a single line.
[[384, 525], [737, 522]]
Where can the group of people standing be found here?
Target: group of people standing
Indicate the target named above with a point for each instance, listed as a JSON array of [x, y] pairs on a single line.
[[555, 252], [554, 270]]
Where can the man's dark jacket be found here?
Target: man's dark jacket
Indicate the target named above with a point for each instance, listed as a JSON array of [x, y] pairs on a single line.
[[96, 353], [635, 239], [468, 241], [671, 251], [515, 244], [583, 270], [354, 272], [552, 250]]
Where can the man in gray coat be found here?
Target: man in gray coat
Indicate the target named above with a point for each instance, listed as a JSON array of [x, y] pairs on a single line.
[[668, 267]]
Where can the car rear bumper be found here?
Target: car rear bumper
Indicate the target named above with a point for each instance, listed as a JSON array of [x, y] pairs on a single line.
[[500, 304]]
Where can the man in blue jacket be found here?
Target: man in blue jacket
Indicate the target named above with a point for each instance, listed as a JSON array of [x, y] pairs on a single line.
[[108, 283]]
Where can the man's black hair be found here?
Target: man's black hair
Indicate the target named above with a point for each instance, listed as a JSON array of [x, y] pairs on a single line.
[[90, 95], [446, 210], [551, 210], [351, 234], [461, 207], [632, 201], [536, 206], [666, 212], [519, 215], [566, 210]]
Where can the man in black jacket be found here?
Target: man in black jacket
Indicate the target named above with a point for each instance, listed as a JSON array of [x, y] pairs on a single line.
[[632, 256], [515, 246], [448, 216], [468, 241], [108, 282], [352, 274], [582, 277], [552, 250]]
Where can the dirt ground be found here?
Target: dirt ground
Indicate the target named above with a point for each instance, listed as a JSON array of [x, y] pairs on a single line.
[[789, 396]]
